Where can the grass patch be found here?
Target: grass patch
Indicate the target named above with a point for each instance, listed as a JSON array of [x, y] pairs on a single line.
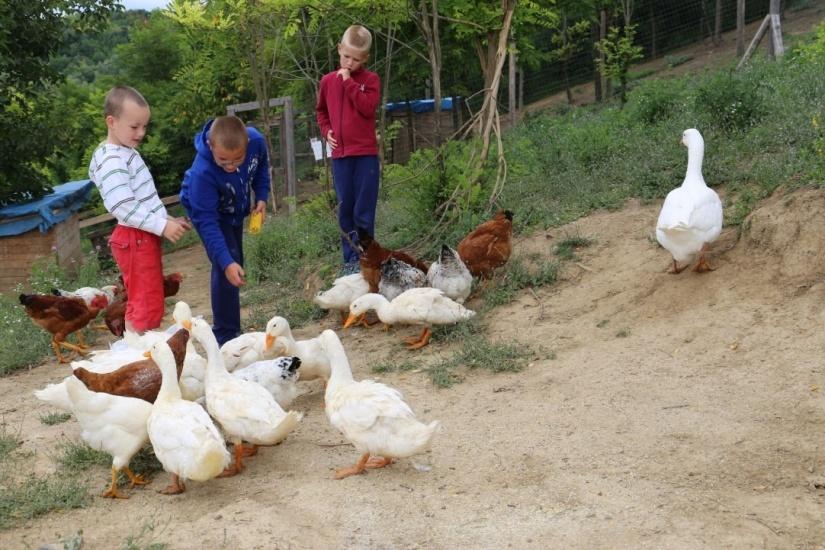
[[54, 418], [78, 457], [145, 538], [8, 443], [566, 248], [388, 366], [477, 352], [39, 495], [676, 60], [519, 273], [624, 333]]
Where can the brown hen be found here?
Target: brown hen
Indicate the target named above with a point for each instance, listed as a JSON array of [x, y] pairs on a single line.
[[139, 379], [372, 255], [61, 316], [489, 245], [171, 284]]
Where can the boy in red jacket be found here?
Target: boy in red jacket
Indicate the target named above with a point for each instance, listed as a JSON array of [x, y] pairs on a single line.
[[345, 112]]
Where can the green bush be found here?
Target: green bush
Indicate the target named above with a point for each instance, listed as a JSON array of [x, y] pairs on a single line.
[[654, 101], [730, 101]]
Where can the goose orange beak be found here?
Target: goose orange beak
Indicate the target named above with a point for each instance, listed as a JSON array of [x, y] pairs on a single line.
[[351, 320], [187, 324], [268, 341], [147, 354]]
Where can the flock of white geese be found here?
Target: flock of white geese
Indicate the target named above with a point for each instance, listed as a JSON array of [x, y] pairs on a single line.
[[240, 392]]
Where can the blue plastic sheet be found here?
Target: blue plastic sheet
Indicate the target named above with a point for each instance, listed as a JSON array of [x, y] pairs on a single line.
[[58, 206], [420, 105]]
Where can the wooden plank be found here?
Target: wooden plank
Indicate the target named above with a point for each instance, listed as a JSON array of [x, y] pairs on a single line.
[[252, 105], [173, 199], [776, 36], [755, 42]]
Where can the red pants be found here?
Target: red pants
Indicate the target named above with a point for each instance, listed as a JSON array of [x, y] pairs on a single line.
[[138, 255]]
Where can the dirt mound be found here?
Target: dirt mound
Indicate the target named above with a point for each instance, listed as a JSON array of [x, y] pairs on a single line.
[[787, 233], [677, 411]]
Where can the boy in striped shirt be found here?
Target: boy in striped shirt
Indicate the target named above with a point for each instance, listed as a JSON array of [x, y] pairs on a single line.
[[129, 194]]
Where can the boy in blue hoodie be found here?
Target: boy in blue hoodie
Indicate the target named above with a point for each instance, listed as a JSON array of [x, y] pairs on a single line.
[[230, 164]]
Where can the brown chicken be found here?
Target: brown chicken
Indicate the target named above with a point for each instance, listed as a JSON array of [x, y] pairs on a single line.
[[489, 245], [61, 316], [139, 379], [372, 255], [114, 316], [171, 284]]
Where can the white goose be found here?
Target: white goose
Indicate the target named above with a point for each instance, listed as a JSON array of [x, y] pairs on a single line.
[[183, 436], [691, 216], [244, 410], [110, 423], [371, 415], [417, 306]]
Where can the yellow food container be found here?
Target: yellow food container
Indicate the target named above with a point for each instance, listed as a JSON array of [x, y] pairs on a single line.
[[255, 222]]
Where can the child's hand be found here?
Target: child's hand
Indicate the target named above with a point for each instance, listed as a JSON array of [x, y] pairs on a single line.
[[260, 206], [187, 225], [331, 140], [343, 73], [174, 230], [234, 274]]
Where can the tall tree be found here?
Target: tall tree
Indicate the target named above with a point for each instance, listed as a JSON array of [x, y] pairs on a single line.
[[31, 31]]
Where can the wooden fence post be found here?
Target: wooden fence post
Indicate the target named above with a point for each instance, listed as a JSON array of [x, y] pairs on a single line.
[[289, 161]]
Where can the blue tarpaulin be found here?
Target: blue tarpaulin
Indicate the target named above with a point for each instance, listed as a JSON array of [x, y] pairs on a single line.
[[420, 105], [65, 200]]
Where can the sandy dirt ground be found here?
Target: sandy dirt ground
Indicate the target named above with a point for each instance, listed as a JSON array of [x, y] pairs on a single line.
[[658, 411]]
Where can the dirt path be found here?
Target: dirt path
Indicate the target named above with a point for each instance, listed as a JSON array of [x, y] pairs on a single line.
[[658, 411]]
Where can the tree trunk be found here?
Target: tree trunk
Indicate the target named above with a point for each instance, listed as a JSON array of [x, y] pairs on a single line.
[[717, 23], [511, 85], [489, 108], [653, 49], [597, 77], [382, 117]]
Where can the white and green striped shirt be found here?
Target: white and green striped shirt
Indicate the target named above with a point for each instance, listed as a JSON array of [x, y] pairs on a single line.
[[127, 188]]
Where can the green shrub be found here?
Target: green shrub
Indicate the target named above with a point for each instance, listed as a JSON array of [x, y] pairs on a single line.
[[654, 100], [730, 101]]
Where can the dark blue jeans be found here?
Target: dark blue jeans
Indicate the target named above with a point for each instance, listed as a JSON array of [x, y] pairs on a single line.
[[226, 298], [356, 186]]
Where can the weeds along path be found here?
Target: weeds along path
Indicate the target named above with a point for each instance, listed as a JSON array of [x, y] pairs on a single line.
[[657, 411]]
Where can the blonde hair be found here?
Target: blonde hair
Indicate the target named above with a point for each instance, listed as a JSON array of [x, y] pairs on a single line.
[[358, 38], [228, 132], [117, 96]]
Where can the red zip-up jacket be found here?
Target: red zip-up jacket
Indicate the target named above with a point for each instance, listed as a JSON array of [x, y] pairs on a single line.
[[348, 109]]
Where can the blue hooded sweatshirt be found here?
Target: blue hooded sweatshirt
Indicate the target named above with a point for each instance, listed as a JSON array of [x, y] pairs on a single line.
[[213, 197]]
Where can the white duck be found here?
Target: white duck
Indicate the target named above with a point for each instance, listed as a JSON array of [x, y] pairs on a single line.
[[450, 275], [691, 216], [278, 376], [248, 348], [244, 410], [113, 424], [343, 291], [417, 306], [314, 362], [184, 439], [371, 415]]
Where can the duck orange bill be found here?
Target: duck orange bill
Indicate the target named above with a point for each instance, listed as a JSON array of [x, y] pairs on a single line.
[[268, 341], [147, 354], [351, 320], [187, 324]]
